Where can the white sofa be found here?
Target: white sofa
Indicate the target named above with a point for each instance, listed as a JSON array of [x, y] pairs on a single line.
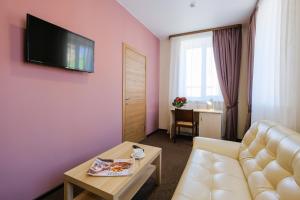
[[265, 166]]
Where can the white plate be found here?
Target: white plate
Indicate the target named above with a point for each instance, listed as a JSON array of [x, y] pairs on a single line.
[[138, 157]]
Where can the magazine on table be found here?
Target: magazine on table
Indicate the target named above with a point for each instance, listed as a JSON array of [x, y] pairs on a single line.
[[111, 167]]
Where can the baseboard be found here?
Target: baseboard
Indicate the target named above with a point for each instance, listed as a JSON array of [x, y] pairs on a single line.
[[163, 130], [49, 192], [157, 130]]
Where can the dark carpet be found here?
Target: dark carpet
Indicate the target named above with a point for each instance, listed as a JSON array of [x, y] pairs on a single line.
[[174, 159]]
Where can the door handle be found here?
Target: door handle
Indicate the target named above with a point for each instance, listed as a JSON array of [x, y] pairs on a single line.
[[126, 101]]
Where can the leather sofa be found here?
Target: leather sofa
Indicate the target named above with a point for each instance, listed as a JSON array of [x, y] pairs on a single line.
[[264, 166]]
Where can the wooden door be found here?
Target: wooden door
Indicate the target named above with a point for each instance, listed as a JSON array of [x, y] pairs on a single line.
[[134, 95]]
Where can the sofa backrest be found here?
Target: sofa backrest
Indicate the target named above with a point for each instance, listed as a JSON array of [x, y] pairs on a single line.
[[270, 158]]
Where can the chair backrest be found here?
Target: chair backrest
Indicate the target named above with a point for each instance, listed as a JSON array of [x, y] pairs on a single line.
[[270, 158], [184, 115]]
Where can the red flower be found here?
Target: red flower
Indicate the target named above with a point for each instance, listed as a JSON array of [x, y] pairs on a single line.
[[179, 101]]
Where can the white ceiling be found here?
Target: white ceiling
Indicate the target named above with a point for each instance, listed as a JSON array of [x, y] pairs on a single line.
[[166, 17]]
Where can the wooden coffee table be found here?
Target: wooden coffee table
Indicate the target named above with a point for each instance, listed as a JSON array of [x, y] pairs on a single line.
[[114, 187]]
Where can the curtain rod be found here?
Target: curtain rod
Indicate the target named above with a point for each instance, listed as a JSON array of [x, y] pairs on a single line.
[[205, 30]]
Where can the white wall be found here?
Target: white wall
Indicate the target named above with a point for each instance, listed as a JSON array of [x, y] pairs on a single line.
[[164, 84], [243, 104]]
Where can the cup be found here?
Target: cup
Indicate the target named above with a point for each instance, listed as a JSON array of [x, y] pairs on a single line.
[[138, 152]]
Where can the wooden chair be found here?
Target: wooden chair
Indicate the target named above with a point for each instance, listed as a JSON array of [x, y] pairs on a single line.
[[185, 118]]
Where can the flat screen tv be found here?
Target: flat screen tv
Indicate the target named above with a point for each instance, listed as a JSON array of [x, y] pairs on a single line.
[[52, 45]]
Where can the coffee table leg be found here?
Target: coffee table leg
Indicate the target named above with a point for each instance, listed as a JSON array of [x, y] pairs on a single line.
[[68, 191], [157, 163]]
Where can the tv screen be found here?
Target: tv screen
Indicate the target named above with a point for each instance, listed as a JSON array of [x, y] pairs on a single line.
[[52, 45]]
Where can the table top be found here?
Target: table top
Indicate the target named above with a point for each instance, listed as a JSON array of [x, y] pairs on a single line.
[[109, 187], [172, 108]]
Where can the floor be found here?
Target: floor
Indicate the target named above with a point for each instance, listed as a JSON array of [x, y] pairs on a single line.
[[174, 158]]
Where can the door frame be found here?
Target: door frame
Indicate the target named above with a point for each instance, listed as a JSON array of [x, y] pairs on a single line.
[[126, 46]]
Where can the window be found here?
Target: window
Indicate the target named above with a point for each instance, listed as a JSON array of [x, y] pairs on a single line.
[[212, 82], [193, 72], [199, 70]]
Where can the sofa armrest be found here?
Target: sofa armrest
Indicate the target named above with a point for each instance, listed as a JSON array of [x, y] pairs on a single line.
[[223, 147]]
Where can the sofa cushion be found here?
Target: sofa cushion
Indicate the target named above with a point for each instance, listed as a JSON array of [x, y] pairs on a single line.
[[270, 158], [210, 176], [222, 147]]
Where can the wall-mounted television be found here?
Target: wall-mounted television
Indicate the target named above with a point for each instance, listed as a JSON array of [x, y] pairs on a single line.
[[51, 45]]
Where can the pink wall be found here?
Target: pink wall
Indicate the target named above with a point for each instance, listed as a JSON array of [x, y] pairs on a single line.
[[53, 119]]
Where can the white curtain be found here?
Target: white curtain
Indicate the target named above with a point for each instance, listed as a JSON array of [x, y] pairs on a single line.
[[276, 73], [192, 70], [175, 63]]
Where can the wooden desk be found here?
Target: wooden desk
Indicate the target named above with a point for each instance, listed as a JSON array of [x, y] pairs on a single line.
[[210, 122], [114, 188]]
